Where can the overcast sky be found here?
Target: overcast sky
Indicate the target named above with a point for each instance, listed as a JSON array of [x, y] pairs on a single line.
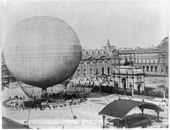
[[126, 24]]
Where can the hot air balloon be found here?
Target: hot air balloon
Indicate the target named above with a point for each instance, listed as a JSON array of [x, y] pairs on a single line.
[[42, 51]]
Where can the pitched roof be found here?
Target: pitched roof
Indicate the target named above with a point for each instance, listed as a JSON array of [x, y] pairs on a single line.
[[121, 107]]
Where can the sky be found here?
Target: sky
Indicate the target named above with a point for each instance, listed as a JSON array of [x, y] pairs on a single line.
[[128, 23]]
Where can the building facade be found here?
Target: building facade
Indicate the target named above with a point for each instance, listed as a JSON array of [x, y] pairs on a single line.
[[153, 60], [6, 76]]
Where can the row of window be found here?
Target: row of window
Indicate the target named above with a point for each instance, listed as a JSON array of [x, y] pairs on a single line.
[[100, 62], [137, 61], [145, 54], [147, 61], [154, 69], [95, 72], [107, 70], [136, 54], [150, 69], [92, 53]]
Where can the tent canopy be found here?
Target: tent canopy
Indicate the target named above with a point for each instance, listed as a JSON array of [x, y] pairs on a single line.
[[120, 108]]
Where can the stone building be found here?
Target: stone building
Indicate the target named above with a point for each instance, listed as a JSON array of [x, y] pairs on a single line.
[[6, 76], [153, 60]]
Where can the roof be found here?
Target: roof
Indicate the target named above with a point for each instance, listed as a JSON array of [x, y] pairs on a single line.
[[10, 124], [121, 107], [96, 54]]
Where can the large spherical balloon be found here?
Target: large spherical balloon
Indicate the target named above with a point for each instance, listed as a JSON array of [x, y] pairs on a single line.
[[42, 51]]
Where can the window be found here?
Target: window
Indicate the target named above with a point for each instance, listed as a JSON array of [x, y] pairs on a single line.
[[96, 70], [78, 72], [156, 68], [136, 60], [108, 70], [151, 61], [92, 52], [102, 70], [84, 71], [143, 68], [91, 71], [151, 68], [156, 60], [147, 69]]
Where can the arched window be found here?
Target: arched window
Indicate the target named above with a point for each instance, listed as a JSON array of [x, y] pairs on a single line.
[[143, 68], [147, 69]]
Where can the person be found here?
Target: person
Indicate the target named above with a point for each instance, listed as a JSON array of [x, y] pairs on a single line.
[[47, 105], [25, 124]]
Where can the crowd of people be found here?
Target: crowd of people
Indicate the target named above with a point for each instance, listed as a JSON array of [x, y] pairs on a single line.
[[46, 100], [15, 103], [94, 80]]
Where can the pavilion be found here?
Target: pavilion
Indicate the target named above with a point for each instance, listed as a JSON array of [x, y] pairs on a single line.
[[121, 107]]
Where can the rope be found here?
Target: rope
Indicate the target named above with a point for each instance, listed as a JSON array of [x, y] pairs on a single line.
[[107, 99], [24, 90], [28, 117], [71, 111]]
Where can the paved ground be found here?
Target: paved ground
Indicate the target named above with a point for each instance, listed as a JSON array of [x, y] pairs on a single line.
[[87, 114]]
